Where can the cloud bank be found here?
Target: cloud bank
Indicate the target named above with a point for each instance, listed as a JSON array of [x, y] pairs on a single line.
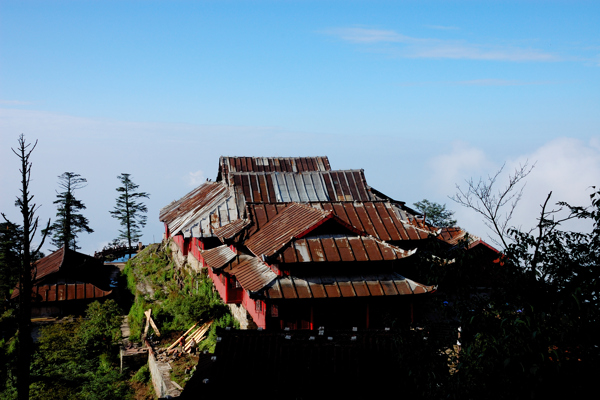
[[567, 167]]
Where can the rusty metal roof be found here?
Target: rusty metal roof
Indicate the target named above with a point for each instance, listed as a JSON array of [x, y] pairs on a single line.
[[232, 229], [251, 272], [381, 219], [293, 222], [270, 164], [334, 248], [350, 285], [272, 187], [198, 213], [49, 264], [69, 270], [219, 256], [455, 234]]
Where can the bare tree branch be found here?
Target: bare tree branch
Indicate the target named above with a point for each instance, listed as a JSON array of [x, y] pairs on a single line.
[[495, 206]]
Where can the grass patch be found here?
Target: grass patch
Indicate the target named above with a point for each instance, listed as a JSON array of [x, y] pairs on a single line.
[[178, 298]]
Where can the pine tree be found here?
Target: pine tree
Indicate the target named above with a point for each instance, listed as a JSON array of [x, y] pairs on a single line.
[[129, 210], [436, 214], [69, 222]]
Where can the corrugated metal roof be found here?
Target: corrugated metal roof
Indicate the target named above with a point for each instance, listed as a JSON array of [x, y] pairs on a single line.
[[381, 219], [355, 285], [272, 187], [49, 264], [208, 207], [292, 222], [219, 256], [333, 248], [61, 264], [232, 229], [251, 272], [270, 164], [455, 234]]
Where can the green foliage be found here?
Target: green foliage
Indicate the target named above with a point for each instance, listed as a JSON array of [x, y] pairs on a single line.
[[142, 375], [136, 318], [11, 237], [69, 221], [173, 308], [75, 359], [436, 214], [533, 333], [129, 210], [101, 329], [8, 354]]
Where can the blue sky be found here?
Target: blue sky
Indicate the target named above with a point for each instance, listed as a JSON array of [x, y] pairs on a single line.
[[421, 94]]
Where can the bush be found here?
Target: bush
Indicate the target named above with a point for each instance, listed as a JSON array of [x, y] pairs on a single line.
[[142, 375]]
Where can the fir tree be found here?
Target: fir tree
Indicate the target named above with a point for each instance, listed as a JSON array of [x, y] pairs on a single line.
[[436, 214], [129, 210], [69, 222]]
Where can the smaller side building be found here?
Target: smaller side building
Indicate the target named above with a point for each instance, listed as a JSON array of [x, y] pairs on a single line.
[[65, 282]]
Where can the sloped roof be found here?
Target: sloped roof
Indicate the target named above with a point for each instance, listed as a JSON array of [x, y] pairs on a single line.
[[232, 229], [72, 269], [59, 260], [251, 273], [381, 219], [270, 164], [334, 248], [350, 285], [49, 264], [294, 221], [454, 235], [198, 213], [219, 256], [272, 187]]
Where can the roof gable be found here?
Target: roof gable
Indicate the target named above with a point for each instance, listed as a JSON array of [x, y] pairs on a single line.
[[293, 222], [335, 248], [209, 206]]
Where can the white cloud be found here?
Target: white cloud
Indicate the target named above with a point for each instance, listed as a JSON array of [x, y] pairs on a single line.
[[450, 169], [438, 49], [365, 35], [566, 166], [196, 178]]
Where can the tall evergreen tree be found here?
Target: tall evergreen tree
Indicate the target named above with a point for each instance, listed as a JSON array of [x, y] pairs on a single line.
[[129, 210], [69, 222], [436, 214]]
